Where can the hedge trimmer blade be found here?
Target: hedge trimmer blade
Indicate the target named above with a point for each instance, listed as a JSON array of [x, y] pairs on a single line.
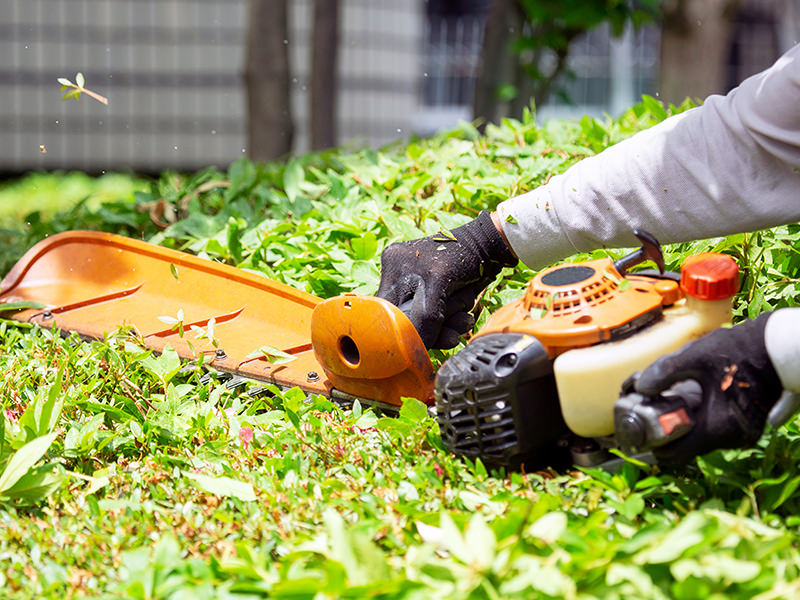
[[351, 346]]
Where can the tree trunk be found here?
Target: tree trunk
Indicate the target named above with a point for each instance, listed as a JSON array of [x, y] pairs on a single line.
[[323, 74], [270, 128], [695, 40], [503, 24]]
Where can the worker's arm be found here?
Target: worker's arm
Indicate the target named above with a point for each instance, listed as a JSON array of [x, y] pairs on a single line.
[[743, 371], [729, 166]]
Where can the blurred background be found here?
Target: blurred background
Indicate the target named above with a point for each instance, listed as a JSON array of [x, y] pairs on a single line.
[[193, 83]]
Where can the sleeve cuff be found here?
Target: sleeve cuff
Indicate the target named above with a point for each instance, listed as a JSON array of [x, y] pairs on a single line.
[[531, 225], [782, 340]]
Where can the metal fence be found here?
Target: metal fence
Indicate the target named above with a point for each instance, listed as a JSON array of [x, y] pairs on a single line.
[[172, 70], [606, 73], [450, 59], [169, 69]]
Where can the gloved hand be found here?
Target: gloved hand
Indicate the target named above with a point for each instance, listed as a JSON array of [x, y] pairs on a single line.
[[739, 383], [435, 280]]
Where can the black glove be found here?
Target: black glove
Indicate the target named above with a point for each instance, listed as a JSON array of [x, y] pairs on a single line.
[[435, 280], [739, 383]]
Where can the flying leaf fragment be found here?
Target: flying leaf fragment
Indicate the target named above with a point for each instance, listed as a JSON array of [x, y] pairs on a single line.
[[174, 270], [208, 333], [173, 322], [511, 219], [727, 380], [444, 235], [42, 149], [78, 87]]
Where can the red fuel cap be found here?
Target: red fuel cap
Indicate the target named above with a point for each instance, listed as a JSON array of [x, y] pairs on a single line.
[[710, 276]]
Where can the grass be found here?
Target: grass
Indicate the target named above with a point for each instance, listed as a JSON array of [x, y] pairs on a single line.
[[139, 477]]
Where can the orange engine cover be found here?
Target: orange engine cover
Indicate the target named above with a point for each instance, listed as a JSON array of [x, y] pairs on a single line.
[[572, 306]]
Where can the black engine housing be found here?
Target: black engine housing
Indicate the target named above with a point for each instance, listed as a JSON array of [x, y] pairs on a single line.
[[496, 399]]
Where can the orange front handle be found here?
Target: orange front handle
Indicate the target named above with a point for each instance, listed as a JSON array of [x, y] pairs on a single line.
[[369, 348]]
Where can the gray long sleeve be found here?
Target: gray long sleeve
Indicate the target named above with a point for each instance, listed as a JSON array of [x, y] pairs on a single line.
[[729, 166]]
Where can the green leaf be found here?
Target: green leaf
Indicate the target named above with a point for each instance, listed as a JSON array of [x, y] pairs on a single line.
[[273, 355], [549, 527], [174, 270], [480, 539], [365, 273], [413, 410], [399, 428], [36, 484], [23, 459], [356, 410], [678, 539], [293, 175], [243, 175], [51, 409], [407, 491], [787, 492], [633, 506], [223, 486], [654, 107], [293, 418], [716, 567], [536, 578], [41, 415], [367, 420], [2, 434], [364, 247], [64, 81], [79, 80], [506, 92], [452, 539], [165, 366], [21, 305], [234, 238]]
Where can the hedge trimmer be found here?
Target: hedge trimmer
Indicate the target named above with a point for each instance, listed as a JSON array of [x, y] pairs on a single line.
[[540, 379]]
